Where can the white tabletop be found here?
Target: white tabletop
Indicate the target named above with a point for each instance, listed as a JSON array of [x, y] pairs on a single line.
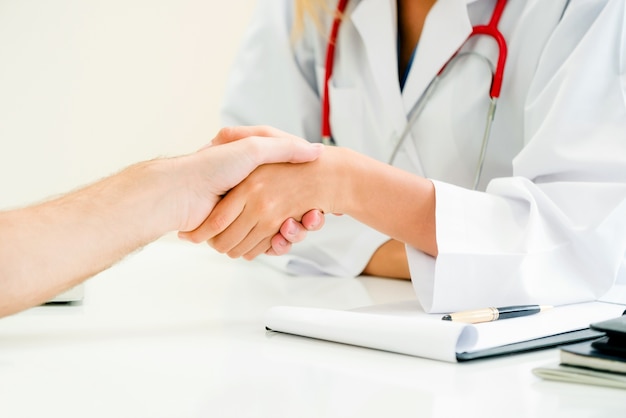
[[176, 330]]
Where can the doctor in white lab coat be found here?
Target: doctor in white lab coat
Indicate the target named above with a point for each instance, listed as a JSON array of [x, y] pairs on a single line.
[[547, 223]]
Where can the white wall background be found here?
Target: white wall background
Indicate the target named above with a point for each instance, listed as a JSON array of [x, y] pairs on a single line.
[[90, 86]]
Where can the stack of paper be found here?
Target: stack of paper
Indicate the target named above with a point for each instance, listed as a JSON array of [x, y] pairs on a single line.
[[598, 362], [572, 374]]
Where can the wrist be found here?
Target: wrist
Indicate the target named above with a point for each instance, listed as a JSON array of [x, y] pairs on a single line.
[[382, 196], [350, 179], [151, 195]]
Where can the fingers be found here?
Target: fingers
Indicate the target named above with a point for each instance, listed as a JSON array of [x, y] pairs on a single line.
[[235, 133], [220, 218], [278, 150], [237, 227], [292, 231], [265, 145], [279, 246], [313, 220]]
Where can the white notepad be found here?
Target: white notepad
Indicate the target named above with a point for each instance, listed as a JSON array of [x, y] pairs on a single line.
[[404, 328]]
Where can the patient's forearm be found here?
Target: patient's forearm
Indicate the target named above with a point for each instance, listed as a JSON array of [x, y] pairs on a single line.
[[51, 247]]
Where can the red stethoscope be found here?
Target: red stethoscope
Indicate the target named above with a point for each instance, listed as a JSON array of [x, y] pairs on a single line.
[[490, 29]]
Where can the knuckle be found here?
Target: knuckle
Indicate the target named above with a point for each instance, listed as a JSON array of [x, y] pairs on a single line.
[[219, 245], [195, 239], [249, 256], [233, 254], [266, 205], [265, 130], [217, 223], [225, 132]]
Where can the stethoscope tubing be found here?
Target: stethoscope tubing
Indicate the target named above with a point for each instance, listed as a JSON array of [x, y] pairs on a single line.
[[490, 29]]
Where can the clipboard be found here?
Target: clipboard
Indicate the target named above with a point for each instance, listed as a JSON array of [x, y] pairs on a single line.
[[405, 328]]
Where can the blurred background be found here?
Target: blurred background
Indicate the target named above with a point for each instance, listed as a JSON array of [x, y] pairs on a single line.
[[88, 87]]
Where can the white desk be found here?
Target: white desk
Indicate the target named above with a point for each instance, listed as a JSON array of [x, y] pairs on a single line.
[[176, 330]]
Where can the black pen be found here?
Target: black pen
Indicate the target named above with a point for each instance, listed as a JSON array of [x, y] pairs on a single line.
[[494, 314]]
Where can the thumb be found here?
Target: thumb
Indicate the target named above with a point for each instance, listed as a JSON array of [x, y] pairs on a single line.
[[235, 133], [277, 150], [288, 150]]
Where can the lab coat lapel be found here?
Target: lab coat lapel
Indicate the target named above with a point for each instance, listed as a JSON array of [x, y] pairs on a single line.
[[447, 27], [445, 30], [375, 21]]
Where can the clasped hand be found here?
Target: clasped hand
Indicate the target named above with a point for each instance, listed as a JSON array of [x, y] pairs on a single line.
[[272, 208]]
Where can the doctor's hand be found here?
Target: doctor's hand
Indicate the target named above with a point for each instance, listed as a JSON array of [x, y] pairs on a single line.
[[292, 231]]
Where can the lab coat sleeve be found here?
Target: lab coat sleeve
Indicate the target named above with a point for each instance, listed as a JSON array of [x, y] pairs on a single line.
[[555, 232], [274, 81], [513, 245]]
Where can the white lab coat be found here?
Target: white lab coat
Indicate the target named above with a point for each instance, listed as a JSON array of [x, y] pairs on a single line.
[[548, 223]]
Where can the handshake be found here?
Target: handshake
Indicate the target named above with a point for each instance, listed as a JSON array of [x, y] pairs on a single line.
[[249, 192]]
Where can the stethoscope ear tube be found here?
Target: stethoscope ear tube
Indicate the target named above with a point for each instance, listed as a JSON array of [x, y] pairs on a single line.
[[485, 141], [416, 110]]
